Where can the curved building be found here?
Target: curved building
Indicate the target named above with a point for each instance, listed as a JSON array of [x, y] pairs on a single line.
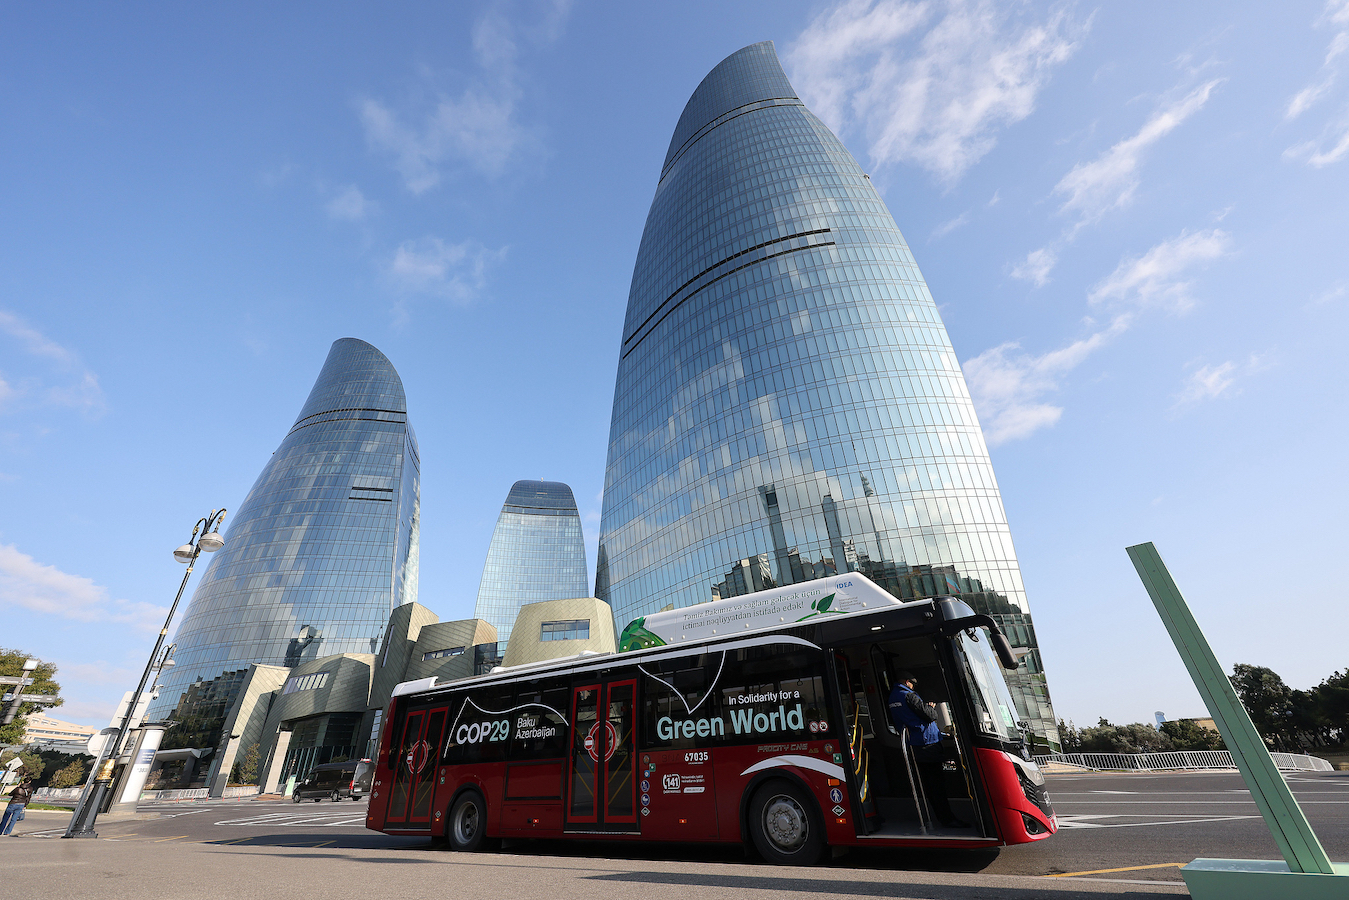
[[537, 553], [319, 552], [788, 404]]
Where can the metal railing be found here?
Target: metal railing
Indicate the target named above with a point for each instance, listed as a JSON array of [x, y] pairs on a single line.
[[1177, 759], [168, 796]]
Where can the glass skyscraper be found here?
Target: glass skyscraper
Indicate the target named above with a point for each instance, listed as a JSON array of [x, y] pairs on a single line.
[[537, 553], [317, 555], [788, 405]]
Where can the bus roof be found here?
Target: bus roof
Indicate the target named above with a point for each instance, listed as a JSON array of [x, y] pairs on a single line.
[[749, 615], [839, 595]]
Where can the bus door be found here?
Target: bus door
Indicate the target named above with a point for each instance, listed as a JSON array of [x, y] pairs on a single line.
[[415, 752], [602, 760], [918, 787], [858, 738]]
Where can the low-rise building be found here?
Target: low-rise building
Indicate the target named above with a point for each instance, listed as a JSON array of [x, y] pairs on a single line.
[[45, 729], [331, 708]]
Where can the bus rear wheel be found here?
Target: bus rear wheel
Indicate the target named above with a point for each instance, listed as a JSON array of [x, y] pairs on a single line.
[[784, 825], [467, 829]]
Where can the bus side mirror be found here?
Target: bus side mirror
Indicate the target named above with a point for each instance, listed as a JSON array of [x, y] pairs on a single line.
[[944, 721], [1004, 650]]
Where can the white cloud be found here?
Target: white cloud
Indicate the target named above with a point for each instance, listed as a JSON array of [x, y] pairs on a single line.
[[947, 227], [1108, 182], [1311, 153], [99, 672], [349, 205], [1036, 266], [1306, 98], [1336, 132], [1335, 14], [938, 100], [454, 271], [1209, 382], [65, 384], [1155, 278], [34, 341], [81, 711], [477, 127], [1091, 190], [27, 584], [1010, 388]]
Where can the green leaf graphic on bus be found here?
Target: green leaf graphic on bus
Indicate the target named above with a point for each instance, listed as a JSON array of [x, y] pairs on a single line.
[[636, 637], [821, 607]]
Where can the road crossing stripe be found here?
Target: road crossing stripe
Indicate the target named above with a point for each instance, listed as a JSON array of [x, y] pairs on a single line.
[[1185, 821], [1125, 869]]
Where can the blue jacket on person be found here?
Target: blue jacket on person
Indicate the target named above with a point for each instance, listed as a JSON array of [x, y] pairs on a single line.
[[905, 706]]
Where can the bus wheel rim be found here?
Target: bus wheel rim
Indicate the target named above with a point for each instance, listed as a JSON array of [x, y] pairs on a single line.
[[466, 825], [785, 823]]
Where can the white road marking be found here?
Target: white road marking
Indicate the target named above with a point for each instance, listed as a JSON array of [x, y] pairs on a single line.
[[1070, 822], [287, 820], [1057, 801]]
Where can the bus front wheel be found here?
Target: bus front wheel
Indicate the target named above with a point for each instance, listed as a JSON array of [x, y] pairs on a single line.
[[468, 822], [784, 825]]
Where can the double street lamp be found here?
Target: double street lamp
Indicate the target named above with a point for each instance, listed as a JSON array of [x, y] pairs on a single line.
[[86, 812]]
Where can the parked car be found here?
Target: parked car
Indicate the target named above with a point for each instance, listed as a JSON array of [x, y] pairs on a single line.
[[336, 780]]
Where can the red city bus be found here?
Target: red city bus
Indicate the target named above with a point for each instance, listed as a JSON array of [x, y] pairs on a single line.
[[774, 735]]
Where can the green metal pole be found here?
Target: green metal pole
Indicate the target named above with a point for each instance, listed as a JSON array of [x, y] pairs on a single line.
[[1298, 843]]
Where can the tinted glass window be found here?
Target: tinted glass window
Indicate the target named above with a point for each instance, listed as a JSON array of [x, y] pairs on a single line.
[[480, 726], [737, 696], [538, 723]]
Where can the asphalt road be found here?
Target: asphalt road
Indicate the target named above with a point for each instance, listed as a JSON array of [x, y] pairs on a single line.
[[1121, 835]]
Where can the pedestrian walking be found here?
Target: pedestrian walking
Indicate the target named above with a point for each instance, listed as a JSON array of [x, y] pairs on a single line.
[[18, 799]]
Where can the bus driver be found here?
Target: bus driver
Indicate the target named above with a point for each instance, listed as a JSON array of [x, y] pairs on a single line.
[[908, 711]]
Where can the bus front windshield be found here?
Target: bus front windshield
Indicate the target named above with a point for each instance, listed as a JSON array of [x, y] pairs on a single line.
[[994, 711]]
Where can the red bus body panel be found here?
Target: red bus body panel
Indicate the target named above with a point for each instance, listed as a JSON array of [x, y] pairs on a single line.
[[693, 796], [1009, 800]]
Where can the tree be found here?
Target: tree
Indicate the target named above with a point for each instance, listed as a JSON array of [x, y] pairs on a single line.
[[11, 663], [1332, 700], [32, 764], [246, 769], [71, 776], [1269, 702], [1136, 738], [1186, 734], [1070, 739]]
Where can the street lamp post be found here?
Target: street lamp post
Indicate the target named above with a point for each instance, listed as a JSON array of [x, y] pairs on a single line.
[[86, 812]]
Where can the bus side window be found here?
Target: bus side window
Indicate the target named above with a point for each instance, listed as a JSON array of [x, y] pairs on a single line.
[[481, 726], [538, 723], [675, 701], [762, 679]]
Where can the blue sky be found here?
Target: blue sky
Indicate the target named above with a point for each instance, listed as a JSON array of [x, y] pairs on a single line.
[[1132, 215]]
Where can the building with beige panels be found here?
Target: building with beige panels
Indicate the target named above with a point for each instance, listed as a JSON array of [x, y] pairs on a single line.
[[331, 708]]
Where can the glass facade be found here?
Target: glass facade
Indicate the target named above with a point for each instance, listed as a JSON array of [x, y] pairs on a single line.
[[537, 553], [317, 555], [788, 405]]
